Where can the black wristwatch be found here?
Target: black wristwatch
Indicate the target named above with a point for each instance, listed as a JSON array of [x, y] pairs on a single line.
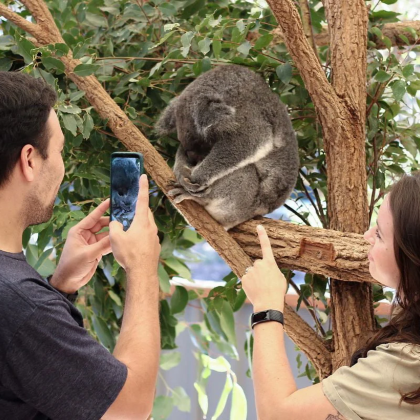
[[266, 316], [70, 296]]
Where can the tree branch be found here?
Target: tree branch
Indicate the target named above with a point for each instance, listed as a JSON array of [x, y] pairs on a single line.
[[391, 30], [18, 20], [303, 55], [340, 255]]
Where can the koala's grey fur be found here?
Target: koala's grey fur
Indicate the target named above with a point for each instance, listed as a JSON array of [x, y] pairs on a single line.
[[238, 155]]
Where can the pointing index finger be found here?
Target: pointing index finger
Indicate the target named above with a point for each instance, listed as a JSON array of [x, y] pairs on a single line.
[[92, 218], [267, 252]]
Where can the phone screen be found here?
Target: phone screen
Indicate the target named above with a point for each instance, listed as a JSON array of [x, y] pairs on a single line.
[[126, 169]]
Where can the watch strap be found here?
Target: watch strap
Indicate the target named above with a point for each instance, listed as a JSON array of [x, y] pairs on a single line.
[[267, 316]]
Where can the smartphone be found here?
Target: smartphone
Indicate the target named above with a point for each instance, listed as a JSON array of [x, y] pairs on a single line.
[[126, 169]]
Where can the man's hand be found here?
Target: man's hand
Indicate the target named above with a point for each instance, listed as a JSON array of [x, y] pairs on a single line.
[[82, 251], [138, 248]]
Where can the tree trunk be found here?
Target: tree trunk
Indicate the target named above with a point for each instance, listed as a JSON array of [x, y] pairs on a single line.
[[341, 109]]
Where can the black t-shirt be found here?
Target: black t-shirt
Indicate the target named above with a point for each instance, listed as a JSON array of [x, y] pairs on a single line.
[[50, 367]]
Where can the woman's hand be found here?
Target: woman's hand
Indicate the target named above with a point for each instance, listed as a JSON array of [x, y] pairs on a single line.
[[264, 283]]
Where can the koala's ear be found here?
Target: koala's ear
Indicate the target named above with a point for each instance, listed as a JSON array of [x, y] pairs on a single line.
[[166, 123], [212, 113]]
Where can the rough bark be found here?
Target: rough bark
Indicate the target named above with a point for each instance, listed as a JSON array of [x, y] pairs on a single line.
[[391, 30], [327, 252], [341, 108], [46, 32]]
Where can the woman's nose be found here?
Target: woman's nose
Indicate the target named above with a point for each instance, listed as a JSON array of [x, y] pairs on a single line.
[[368, 235]]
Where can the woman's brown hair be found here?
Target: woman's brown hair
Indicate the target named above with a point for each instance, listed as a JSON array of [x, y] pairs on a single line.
[[404, 325]]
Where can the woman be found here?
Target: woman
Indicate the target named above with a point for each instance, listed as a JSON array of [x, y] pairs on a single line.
[[384, 379]]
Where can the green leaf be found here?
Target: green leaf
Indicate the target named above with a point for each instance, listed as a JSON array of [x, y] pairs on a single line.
[[24, 48], [179, 300], [240, 300], [398, 89], [115, 297], [169, 360], [284, 73], [389, 1], [83, 70], [96, 20], [382, 76], [203, 400], [238, 410], [70, 123], [6, 42], [186, 42], [263, 41], [217, 48], [167, 9], [240, 25], [164, 279], [69, 109], [408, 70], [223, 398], [178, 267], [227, 322], [51, 63], [162, 407], [76, 95], [204, 45], [218, 365], [103, 332], [244, 48], [87, 126], [5, 64], [181, 399]]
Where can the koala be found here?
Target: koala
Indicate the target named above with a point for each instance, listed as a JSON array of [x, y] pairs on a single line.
[[125, 189], [238, 154]]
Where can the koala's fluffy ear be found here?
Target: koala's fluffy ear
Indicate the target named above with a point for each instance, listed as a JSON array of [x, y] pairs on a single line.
[[212, 113], [167, 121]]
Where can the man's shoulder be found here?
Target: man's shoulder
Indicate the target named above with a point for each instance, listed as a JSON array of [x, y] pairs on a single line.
[[21, 284]]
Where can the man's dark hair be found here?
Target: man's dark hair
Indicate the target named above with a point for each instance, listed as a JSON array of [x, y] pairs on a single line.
[[25, 105]]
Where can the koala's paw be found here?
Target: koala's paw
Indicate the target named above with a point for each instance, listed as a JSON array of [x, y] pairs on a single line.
[[180, 194], [192, 187]]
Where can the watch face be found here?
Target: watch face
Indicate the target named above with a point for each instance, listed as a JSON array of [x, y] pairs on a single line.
[[260, 316]]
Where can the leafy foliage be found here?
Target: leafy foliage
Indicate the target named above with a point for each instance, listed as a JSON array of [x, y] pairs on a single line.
[[144, 54]]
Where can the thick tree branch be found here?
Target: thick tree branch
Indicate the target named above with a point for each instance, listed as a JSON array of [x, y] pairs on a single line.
[[297, 329], [303, 55], [18, 20], [391, 30], [340, 255]]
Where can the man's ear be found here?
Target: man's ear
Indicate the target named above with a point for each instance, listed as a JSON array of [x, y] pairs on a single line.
[[27, 162], [211, 113], [166, 123]]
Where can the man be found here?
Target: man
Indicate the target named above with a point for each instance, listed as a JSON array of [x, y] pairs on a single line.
[[50, 367]]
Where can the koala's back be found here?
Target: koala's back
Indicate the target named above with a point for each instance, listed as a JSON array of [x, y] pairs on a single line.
[[237, 85]]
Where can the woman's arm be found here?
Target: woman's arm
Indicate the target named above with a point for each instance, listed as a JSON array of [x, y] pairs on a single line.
[[275, 389]]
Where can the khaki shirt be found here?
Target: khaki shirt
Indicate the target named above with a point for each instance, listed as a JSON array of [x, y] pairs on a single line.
[[369, 389]]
